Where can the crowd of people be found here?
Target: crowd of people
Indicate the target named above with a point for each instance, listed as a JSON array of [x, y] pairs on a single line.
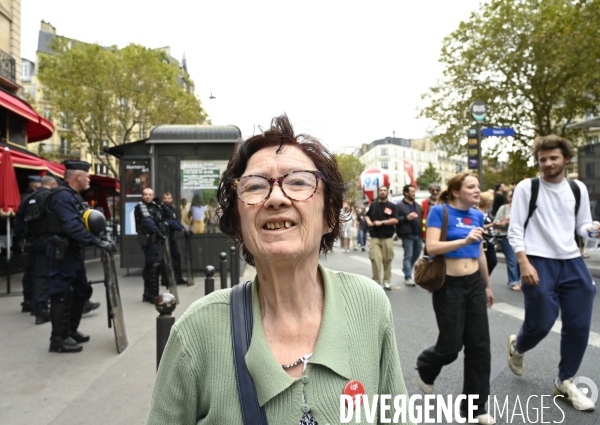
[[310, 331]]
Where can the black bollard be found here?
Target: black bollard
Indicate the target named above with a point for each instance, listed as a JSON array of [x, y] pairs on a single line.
[[209, 281], [165, 305], [235, 278], [223, 257]]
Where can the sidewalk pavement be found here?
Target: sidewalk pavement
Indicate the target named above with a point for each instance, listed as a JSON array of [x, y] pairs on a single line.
[[96, 386]]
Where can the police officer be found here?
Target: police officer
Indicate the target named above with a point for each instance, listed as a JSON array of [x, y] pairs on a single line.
[[35, 182], [170, 216], [69, 287], [36, 231], [148, 222]]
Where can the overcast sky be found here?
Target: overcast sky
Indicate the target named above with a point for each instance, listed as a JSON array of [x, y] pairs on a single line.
[[346, 72]]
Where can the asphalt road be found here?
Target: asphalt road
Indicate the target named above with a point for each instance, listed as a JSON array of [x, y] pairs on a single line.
[[416, 330]]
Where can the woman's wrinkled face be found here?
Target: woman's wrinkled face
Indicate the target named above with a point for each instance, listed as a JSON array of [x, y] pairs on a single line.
[[280, 228]]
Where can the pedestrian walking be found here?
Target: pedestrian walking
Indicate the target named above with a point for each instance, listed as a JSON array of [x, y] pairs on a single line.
[[499, 198], [173, 225], [502, 220], [546, 214], [362, 227], [346, 220], [408, 230], [461, 304], [382, 218], [428, 204], [314, 332], [489, 232]]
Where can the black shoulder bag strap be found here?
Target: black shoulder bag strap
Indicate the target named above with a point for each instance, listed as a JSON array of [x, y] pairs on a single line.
[[535, 188], [444, 228], [241, 334]]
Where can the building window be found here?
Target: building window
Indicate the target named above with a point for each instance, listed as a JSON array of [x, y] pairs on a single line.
[[384, 152], [33, 90], [101, 145], [64, 146], [100, 169], [47, 114], [590, 170], [26, 70], [593, 140], [384, 165]]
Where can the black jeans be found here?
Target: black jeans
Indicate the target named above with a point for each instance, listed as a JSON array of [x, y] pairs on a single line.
[[461, 312]]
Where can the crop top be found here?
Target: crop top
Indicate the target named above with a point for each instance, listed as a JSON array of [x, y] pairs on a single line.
[[460, 223]]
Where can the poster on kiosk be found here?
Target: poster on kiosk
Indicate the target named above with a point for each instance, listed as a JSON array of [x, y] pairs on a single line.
[[371, 180]]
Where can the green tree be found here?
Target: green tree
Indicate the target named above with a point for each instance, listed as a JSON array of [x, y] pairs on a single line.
[[534, 62], [430, 175], [515, 169], [111, 96], [351, 168]]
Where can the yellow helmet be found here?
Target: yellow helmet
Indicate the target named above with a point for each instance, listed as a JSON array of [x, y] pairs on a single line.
[[95, 222]]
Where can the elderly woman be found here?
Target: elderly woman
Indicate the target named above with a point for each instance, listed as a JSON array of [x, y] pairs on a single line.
[[460, 305], [314, 330]]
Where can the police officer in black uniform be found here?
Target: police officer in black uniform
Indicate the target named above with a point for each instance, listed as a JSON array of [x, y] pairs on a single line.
[[35, 182], [148, 222], [170, 216], [31, 222], [69, 286]]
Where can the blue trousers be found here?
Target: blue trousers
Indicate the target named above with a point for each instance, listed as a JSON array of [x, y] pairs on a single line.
[[564, 285], [412, 245], [362, 238], [512, 266]]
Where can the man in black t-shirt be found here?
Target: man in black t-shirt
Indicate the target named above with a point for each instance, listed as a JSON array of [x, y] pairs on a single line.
[[409, 230], [382, 218], [499, 198]]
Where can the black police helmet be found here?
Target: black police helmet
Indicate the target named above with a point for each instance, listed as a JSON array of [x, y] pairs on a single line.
[[95, 222]]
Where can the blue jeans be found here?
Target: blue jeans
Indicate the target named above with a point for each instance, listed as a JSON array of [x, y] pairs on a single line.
[[565, 286], [512, 266], [412, 245], [362, 238]]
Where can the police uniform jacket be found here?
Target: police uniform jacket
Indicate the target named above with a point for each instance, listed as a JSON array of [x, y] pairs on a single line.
[[170, 215], [147, 221]]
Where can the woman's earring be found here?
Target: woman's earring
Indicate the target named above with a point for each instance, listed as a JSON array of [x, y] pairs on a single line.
[[330, 230]]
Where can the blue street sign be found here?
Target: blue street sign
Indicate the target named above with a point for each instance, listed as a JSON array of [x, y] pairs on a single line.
[[498, 132]]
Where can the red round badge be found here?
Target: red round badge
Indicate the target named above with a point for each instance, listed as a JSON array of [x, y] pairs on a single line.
[[354, 389]]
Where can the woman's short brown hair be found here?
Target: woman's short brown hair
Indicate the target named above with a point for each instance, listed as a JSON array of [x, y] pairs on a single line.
[[455, 183], [552, 141], [281, 133]]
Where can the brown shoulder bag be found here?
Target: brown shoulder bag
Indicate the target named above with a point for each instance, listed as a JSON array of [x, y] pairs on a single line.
[[430, 273]]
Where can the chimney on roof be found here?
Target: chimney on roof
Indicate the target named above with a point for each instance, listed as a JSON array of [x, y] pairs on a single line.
[[184, 64], [47, 26]]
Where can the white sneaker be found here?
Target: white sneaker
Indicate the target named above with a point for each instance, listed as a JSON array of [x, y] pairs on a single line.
[[573, 395], [426, 388], [485, 419], [515, 359], [387, 285], [410, 282]]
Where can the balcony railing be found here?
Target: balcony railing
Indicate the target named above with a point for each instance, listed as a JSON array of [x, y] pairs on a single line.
[[58, 150], [7, 66]]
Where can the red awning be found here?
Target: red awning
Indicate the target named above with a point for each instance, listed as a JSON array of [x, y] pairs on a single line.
[[27, 160], [38, 128]]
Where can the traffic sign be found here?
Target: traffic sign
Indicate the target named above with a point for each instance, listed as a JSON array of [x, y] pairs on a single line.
[[498, 132], [478, 110]]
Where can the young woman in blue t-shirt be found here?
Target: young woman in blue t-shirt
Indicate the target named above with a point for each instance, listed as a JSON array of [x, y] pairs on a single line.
[[460, 305]]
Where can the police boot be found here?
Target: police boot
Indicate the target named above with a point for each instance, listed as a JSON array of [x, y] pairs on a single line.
[[41, 316], [60, 312], [89, 306], [27, 304], [77, 306], [178, 279]]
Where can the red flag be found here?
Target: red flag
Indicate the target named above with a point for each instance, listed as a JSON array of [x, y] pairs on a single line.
[[411, 172]]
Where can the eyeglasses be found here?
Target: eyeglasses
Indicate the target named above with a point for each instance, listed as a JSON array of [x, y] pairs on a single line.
[[298, 185]]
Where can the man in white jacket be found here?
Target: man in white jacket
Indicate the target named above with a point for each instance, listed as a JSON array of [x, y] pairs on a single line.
[[552, 270]]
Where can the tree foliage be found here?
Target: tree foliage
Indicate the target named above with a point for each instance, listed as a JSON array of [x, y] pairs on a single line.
[[534, 62], [430, 175], [351, 168], [510, 172], [111, 96]]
